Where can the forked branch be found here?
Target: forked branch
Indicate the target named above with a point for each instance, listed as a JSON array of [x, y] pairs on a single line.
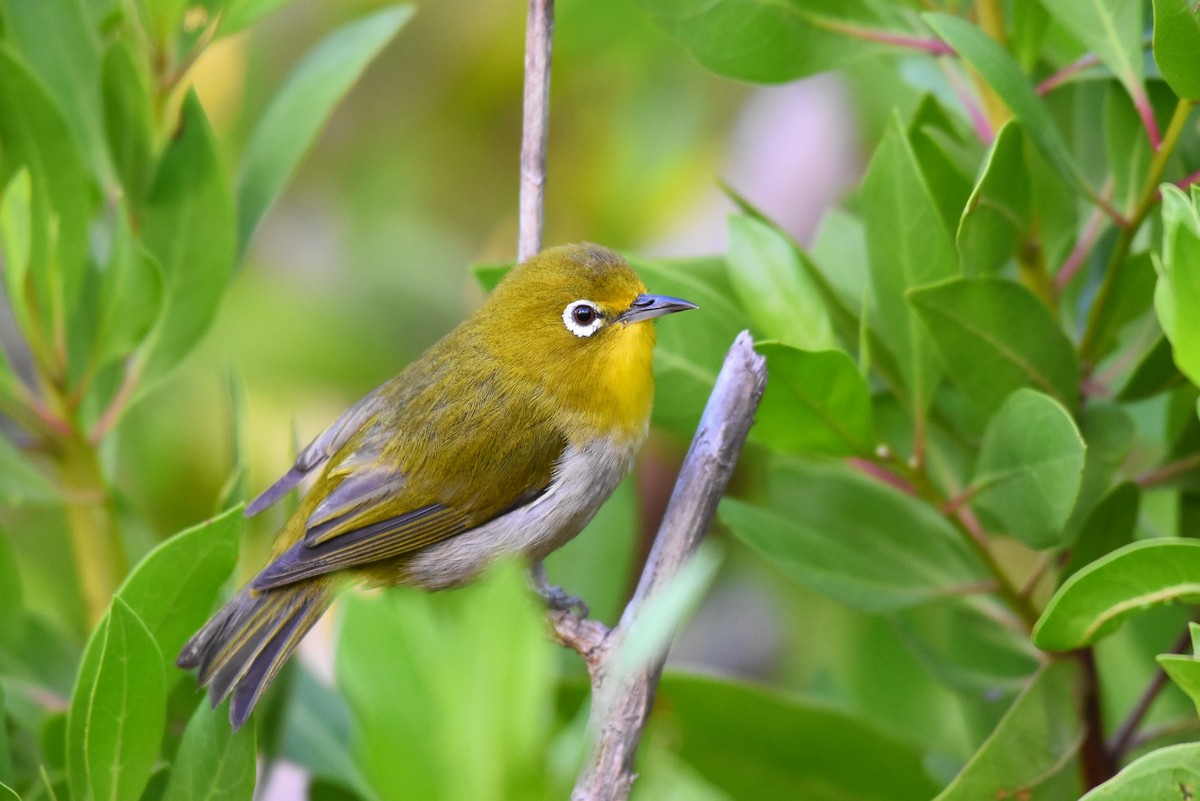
[[621, 702]]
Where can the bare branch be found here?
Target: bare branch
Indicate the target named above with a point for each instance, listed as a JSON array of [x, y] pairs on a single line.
[[539, 30], [621, 704]]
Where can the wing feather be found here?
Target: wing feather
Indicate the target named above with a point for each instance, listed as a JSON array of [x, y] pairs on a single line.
[[317, 452], [374, 542], [427, 466]]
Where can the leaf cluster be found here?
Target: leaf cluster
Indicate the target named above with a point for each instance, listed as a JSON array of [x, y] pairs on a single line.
[[980, 424]]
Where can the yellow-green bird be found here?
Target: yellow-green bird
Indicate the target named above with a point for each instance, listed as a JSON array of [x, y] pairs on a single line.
[[504, 438]]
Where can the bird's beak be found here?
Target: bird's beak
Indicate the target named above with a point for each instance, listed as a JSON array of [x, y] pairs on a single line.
[[647, 307]]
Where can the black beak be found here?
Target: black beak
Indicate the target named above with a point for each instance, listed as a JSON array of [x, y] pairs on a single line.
[[647, 307]]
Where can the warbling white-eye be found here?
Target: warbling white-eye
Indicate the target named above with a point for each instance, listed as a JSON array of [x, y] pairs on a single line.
[[504, 438]]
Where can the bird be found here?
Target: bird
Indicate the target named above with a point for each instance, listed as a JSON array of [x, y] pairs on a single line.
[[501, 440]]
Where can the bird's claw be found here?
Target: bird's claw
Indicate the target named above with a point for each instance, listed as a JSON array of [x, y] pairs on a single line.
[[556, 598], [559, 601]]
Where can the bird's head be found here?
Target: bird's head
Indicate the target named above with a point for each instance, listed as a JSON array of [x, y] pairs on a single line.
[[577, 317]]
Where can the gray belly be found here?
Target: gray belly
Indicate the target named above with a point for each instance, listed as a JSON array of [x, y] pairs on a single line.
[[584, 478]]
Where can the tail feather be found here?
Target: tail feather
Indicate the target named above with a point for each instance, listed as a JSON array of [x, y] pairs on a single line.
[[245, 644]]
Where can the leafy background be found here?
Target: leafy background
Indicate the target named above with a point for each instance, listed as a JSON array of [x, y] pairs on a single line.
[[961, 546]]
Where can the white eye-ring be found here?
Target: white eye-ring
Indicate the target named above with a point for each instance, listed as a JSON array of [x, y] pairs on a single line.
[[582, 318]]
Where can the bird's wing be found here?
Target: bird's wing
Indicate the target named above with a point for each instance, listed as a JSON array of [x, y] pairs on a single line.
[[339, 547], [375, 512], [319, 450]]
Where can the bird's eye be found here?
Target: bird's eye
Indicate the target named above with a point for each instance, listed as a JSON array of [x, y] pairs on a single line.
[[582, 318]]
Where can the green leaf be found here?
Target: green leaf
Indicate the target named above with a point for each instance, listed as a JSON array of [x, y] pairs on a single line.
[[34, 134], [16, 238], [1112, 29], [1109, 526], [173, 588], [769, 42], [1177, 295], [118, 710], [1031, 746], [1029, 21], [214, 763], [188, 226], [489, 275], [774, 286], [10, 592], [994, 337], [1126, 147], [7, 793], [296, 114], [165, 17], [754, 743], [1002, 73], [1176, 42], [6, 767], [1154, 374], [241, 14], [995, 221], [128, 116], [1095, 601], [1110, 434], [691, 347], [1184, 670], [908, 245], [814, 403], [840, 240], [1133, 293], [958, 642], [1169, 774], [854, 538], [316, 733], [130, 293], [946, 159], [474, 665], [55, 39], [663, 614], [1030, 467]]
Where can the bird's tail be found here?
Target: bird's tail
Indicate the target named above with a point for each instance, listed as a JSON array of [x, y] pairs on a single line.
[[245, 644]]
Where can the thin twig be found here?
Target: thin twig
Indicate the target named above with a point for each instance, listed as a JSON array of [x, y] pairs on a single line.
[[1083, 246], [1096, 764], [621, 703], [1171, 470], [539, 30], [1176, 728], [1065, 74]]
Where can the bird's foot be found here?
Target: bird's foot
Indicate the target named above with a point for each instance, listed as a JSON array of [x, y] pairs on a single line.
[[556, 598]]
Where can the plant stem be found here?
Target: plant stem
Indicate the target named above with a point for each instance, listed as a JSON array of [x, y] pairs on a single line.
[[1066, 73], [1083, 247], [95, 542], [1118, 746], [934, 47], [1124, 242], [1176, 728], [1168, 471], [539, 33], [1094, 760], [959, 514]]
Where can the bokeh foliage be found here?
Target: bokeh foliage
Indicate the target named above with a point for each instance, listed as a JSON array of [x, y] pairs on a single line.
[[966, 524]]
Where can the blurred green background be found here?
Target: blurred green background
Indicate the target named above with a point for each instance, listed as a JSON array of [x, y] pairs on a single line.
[[364, 261]]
